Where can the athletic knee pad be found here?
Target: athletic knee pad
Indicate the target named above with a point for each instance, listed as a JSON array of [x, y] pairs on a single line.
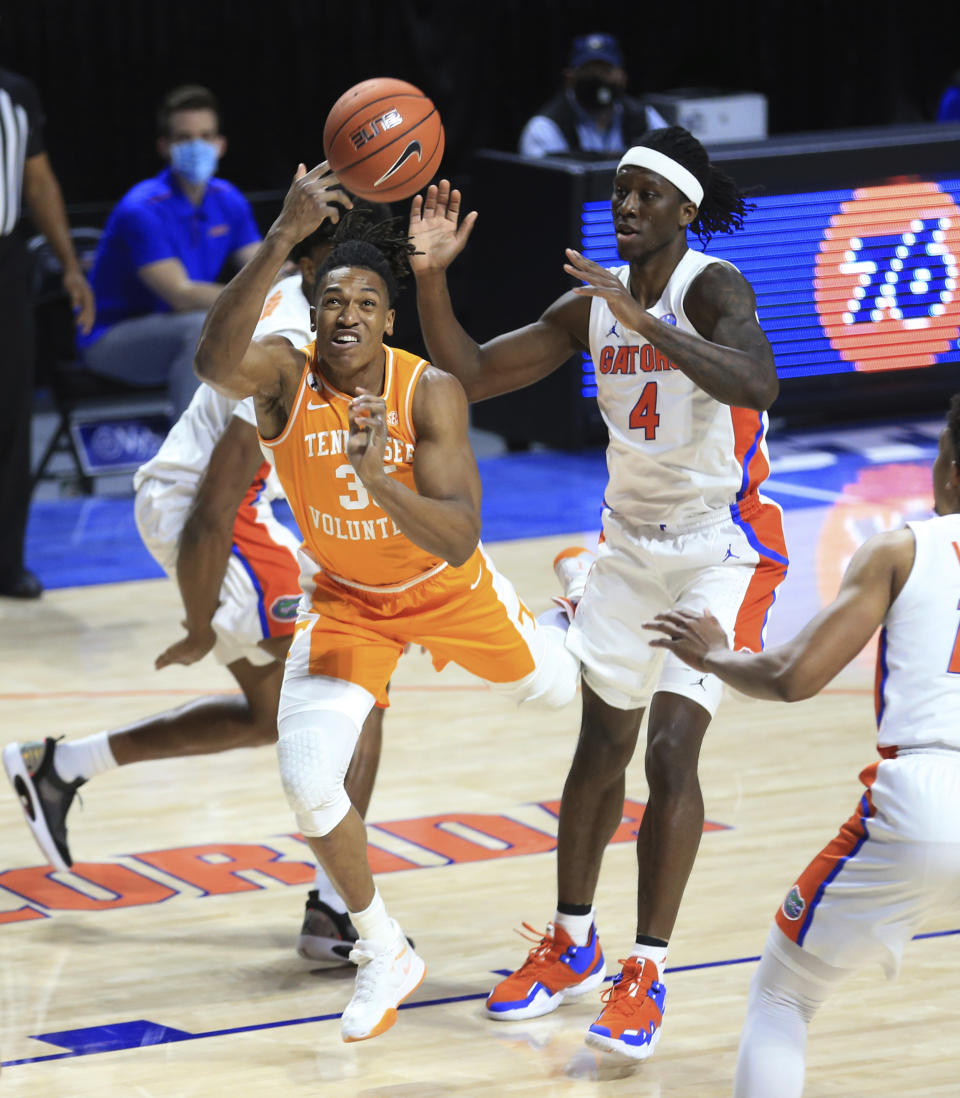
[[314, 751], [553, 682]]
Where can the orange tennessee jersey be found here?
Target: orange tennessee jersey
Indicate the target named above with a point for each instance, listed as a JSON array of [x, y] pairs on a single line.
[[344, 531]]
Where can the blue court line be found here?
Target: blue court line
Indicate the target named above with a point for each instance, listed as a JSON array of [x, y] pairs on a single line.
[[157, 1032]]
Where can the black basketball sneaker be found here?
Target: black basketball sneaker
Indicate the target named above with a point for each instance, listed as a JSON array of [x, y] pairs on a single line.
[[44, 796]]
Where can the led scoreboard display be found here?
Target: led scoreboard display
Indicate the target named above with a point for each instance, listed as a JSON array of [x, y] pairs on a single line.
[[859, 280], [852, 245]]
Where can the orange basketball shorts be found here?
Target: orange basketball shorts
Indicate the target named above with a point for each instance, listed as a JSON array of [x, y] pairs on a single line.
[[471, 616]]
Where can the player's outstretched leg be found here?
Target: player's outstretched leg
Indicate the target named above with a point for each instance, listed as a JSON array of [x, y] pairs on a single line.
[[556, 970], [630, 1020], [44, 796]]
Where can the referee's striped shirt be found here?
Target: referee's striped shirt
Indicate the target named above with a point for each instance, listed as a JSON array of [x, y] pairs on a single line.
[[21, 136]]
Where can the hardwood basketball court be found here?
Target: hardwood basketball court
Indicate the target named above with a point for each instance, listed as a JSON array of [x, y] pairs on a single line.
[[162, 967]]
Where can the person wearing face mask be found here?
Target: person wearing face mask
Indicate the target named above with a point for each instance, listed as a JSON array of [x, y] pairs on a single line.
[[163, 249], [592, 115]]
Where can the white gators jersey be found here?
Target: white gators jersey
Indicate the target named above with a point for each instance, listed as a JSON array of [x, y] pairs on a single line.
[[675, 453], [185, 453], [918, 659]]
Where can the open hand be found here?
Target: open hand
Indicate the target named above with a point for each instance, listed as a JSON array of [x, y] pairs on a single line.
[[436, 229], [605, 284], [688, 635], [315, 196]]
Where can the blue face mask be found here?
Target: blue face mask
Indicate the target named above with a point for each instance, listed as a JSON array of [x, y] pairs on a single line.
[[195, 160]]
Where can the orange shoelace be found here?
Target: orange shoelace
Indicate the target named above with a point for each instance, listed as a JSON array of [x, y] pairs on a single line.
[[627, 993], [546, 951]]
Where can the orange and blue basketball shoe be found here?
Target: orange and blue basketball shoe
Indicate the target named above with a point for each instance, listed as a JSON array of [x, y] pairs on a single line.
[[555, 970], [630, 1021]]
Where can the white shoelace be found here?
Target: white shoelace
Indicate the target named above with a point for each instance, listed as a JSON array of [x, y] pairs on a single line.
[[370, 966]]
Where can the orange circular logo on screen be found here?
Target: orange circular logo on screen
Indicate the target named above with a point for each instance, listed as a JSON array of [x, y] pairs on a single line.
[[882, 498], [886, 277]]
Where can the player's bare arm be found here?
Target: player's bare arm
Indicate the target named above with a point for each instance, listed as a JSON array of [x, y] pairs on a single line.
[[443, 515], [510, 361], [207, 538], [228, 358], [733, 362], [804, 665]]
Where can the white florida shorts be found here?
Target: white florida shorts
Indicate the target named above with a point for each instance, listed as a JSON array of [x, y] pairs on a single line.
[[730, 564], [260, 592], [893, 866]]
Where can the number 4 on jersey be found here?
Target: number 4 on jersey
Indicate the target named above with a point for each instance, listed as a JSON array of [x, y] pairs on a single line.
[[645, 413]]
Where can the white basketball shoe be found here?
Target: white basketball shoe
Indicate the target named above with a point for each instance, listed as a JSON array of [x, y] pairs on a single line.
[[385, 977]]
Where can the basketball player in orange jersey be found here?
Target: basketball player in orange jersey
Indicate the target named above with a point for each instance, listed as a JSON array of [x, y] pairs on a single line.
[[203, 510], [371, 446], [896, 862], [684, 375]]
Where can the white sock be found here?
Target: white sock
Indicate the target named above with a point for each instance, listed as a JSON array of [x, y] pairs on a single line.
[[783, 999], [327, 893], [84, 758], [657, 954], [577, 926], [374, 924]]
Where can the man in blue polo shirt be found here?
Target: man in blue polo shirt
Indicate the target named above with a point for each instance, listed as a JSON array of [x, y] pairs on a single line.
[[165, 244]]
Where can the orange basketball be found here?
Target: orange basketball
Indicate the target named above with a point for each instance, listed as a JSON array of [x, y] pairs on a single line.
[[384, 139]]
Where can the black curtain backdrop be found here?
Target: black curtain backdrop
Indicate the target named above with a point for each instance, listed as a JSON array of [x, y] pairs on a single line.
[[278, 65]]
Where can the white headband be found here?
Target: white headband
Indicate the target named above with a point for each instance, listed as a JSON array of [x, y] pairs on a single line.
[[642, 157]]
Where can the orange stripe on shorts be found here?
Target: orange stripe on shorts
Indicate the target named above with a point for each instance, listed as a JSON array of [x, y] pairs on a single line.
[[796, 913]]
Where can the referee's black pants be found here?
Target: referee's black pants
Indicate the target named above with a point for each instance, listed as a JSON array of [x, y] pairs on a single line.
[[16, 400]]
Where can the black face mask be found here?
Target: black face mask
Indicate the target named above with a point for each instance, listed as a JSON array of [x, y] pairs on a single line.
[[594, 93]]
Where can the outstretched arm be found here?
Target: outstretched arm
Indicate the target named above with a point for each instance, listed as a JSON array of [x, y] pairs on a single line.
[[733, 362], [443, 515], [510, 361], [228, 358], [207, 538], [803, 666]]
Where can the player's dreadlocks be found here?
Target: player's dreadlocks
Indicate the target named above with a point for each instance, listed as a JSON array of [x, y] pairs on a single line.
[[953, 424], [723, 207], [380, 246], [325, 231]]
